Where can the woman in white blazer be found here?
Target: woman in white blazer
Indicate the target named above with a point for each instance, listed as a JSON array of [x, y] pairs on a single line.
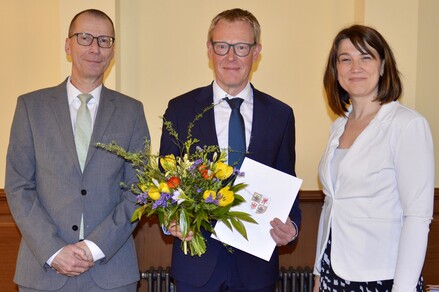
[[377, 173]]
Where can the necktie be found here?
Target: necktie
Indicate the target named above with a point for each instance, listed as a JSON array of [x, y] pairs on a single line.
[[236, 133], [83, 129]]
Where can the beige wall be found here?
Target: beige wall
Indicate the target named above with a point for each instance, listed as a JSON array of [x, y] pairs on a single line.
[[161, 53]]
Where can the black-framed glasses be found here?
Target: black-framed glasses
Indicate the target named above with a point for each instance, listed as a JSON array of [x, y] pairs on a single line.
[[240, 49], [86, 39]]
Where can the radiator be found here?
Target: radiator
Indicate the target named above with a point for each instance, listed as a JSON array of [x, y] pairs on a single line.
[[290, 280], [295, 280], [159, 280]]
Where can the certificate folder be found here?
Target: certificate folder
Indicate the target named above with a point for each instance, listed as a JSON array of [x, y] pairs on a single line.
[[269, 193]]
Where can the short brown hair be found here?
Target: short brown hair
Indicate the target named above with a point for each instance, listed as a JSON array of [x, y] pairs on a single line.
[[389, 84], [236, 14], [94, 12]]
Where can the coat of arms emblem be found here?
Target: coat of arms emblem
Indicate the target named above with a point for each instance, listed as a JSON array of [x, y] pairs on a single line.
[[259, 203]]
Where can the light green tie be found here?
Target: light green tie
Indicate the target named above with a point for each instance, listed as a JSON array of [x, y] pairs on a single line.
[[83, 129]]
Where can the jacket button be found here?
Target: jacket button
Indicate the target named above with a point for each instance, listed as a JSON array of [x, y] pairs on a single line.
[[75, 227], [83, 192]]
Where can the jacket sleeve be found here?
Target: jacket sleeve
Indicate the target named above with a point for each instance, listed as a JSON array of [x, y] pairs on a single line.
[[287, 160], [414, 160], [113, 232], [27, 210]]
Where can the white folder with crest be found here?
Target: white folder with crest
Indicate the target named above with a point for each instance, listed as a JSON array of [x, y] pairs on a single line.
[[269, 193]]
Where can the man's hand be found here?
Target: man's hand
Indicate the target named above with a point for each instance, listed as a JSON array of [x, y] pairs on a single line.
[[175, 230], [282, 233], [71, 261], [87, 250]]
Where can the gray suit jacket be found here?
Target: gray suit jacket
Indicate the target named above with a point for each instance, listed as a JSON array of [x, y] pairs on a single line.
[[47, 193]]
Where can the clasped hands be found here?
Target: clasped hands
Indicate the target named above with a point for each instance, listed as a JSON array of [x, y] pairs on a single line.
[[282, 233], [73, 260]]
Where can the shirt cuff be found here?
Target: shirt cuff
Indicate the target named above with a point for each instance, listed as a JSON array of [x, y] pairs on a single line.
[[165, 230], [50, 260], [95, 250], [297, 231]]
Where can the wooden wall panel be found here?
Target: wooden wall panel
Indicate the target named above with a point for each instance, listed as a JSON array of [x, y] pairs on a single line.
[[154, 249], [431, 265], [9, 242]]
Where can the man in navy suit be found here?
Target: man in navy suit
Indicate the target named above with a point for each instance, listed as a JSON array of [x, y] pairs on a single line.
[[233, 47]]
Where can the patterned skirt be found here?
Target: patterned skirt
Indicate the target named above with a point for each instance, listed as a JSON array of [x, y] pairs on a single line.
[[330, 282]]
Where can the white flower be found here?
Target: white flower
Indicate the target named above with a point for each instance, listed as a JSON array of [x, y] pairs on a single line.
[[176, 197]]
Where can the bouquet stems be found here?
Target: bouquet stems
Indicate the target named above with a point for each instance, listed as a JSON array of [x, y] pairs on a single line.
[[197, 245]]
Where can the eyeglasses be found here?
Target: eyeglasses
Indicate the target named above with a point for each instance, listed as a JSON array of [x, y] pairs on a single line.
[[86, 39], [240, 49]]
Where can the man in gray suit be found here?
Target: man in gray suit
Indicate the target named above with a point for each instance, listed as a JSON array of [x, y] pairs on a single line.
[[65, 197]]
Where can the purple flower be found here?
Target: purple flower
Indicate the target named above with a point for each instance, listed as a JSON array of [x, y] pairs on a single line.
[[238, 173], [211, 200], [142, 198], [162, 202], [195, 165]]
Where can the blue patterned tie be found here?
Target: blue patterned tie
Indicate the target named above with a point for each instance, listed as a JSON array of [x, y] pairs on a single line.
[[236, 133], [83, 129]]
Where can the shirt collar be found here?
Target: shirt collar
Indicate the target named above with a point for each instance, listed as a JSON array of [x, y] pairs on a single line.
[[219, 93], [73, 92]]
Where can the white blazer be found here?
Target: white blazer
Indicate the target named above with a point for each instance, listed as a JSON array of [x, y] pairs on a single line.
[[381, 205]]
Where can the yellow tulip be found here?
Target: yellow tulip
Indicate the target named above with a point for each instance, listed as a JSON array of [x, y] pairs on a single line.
[[154, 193], [168, 162], [163, 187], [223, 171], [225, 197], [208, 193]]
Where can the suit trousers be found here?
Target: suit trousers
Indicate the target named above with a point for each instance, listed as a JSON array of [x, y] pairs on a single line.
[[82, 283], [225, 278]]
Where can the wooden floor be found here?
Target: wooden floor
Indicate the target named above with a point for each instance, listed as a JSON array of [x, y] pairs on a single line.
[[154, 249]]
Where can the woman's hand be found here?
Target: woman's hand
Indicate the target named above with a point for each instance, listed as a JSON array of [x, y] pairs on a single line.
[[316, 283]]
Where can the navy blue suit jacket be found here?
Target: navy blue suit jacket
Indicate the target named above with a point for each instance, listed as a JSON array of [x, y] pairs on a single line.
[[272, 143]]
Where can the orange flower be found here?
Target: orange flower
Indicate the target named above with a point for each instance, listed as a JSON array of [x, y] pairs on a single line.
[[173, 182], [204, 171]]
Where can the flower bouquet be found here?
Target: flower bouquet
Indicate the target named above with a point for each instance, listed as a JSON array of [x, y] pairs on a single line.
[[190, 190]]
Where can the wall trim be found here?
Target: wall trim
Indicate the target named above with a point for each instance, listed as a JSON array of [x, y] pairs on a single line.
[[305, 196]]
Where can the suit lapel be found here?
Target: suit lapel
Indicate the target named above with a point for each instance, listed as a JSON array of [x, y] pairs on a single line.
[[103, 117], [326, 175], [206, 125], [260, 124], [61, 112]]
